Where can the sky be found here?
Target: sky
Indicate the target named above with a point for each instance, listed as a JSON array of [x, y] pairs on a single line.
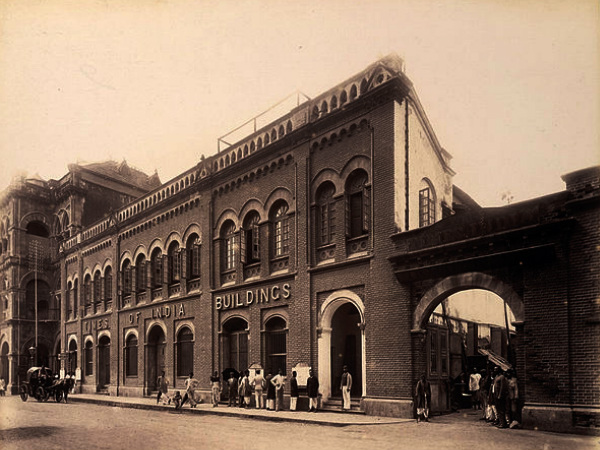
[[511, 87], [478, 305]]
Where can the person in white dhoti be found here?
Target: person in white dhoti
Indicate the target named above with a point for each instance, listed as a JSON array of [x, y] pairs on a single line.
[[345, 386]]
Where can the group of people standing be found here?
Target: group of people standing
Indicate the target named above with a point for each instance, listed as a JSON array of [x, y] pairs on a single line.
[[498, 397], [240, 388], [496, 394]]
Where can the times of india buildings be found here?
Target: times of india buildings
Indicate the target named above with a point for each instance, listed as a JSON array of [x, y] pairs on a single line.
[[326, 238]]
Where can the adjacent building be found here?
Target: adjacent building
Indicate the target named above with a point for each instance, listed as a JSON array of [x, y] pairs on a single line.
[[318, 240]]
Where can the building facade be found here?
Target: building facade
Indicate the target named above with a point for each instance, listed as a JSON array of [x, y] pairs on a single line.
[[284, 251]]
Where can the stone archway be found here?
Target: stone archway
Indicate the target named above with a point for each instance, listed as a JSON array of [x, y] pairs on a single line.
[[328, 319], [456, 283], [432, 344]]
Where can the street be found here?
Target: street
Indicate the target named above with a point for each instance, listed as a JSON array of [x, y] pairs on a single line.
[[48, 426]]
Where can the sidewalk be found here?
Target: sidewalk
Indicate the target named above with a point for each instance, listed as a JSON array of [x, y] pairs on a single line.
[[319, 418]]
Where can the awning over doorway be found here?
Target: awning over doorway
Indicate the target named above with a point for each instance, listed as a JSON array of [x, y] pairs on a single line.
[[496, 359]]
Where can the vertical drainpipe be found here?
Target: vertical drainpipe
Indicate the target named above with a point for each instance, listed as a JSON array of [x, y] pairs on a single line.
[[116, 311], [372, 211], [297, 212], [406, 166], [215, 355]]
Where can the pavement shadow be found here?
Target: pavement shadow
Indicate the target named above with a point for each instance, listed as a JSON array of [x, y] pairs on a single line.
[[22, 433]]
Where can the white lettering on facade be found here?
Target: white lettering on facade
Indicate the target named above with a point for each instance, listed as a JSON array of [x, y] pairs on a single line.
[[258, 296]]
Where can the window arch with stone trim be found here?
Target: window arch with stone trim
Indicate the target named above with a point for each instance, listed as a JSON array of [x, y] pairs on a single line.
[[108, 283], [97, 287], [185, 351], [131, 355], [141, 273], [192, 257], [174, 262], [69, 300], [280, 229], [427, 203], [126, 276], [156, 267], [250, 243], [275, 344], [87, 291], [326, 214], [228, 237], [89, 357], [358, 204]]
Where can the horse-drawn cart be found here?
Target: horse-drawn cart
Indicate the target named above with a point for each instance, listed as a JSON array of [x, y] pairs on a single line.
[[41, 384]]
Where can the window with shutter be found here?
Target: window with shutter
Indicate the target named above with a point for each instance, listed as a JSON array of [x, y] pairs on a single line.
[[108, 284], [357, 204], [281, 230], [228, 245], [426, 207], [243, 246], [255, 242]]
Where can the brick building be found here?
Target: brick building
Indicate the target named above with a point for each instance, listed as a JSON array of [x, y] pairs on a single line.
[[324, 238]]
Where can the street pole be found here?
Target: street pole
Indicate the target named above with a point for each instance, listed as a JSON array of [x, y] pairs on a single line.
[[35, 270]]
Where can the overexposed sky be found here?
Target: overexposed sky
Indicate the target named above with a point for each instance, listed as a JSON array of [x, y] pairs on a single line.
[[512, 87]]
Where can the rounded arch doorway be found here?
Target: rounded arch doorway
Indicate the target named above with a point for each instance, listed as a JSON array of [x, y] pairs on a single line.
[[155, 356], [342, 343], [234, 344], [103, 362]]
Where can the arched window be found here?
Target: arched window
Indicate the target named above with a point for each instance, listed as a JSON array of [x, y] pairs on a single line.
[[37, 228], [97, 287], [343, 98], [185, 352], [276, 344], [358, 204], [87, 290], [89, 358], [69, 300], [72, 356], [141, 273], [157, 268], [250, 239], [193, 256], [325, 213], [280, 229], [426, 203], [174, 261], [108, 283], [131, 356], [75, 298], [228, 238], [127, 277]]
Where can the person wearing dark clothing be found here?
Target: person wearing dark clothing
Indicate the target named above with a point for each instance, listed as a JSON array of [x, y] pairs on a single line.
[[501, 398], [293, 391], [312, 389], [423, 398], [232, 383], [270, 392]]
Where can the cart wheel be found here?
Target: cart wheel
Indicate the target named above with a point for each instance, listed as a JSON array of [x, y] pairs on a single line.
[[58, 396], [23, 392], [40, 394]]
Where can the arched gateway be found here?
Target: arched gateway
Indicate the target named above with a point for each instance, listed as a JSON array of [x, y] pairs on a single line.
[[342, 342], [453, 284]]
